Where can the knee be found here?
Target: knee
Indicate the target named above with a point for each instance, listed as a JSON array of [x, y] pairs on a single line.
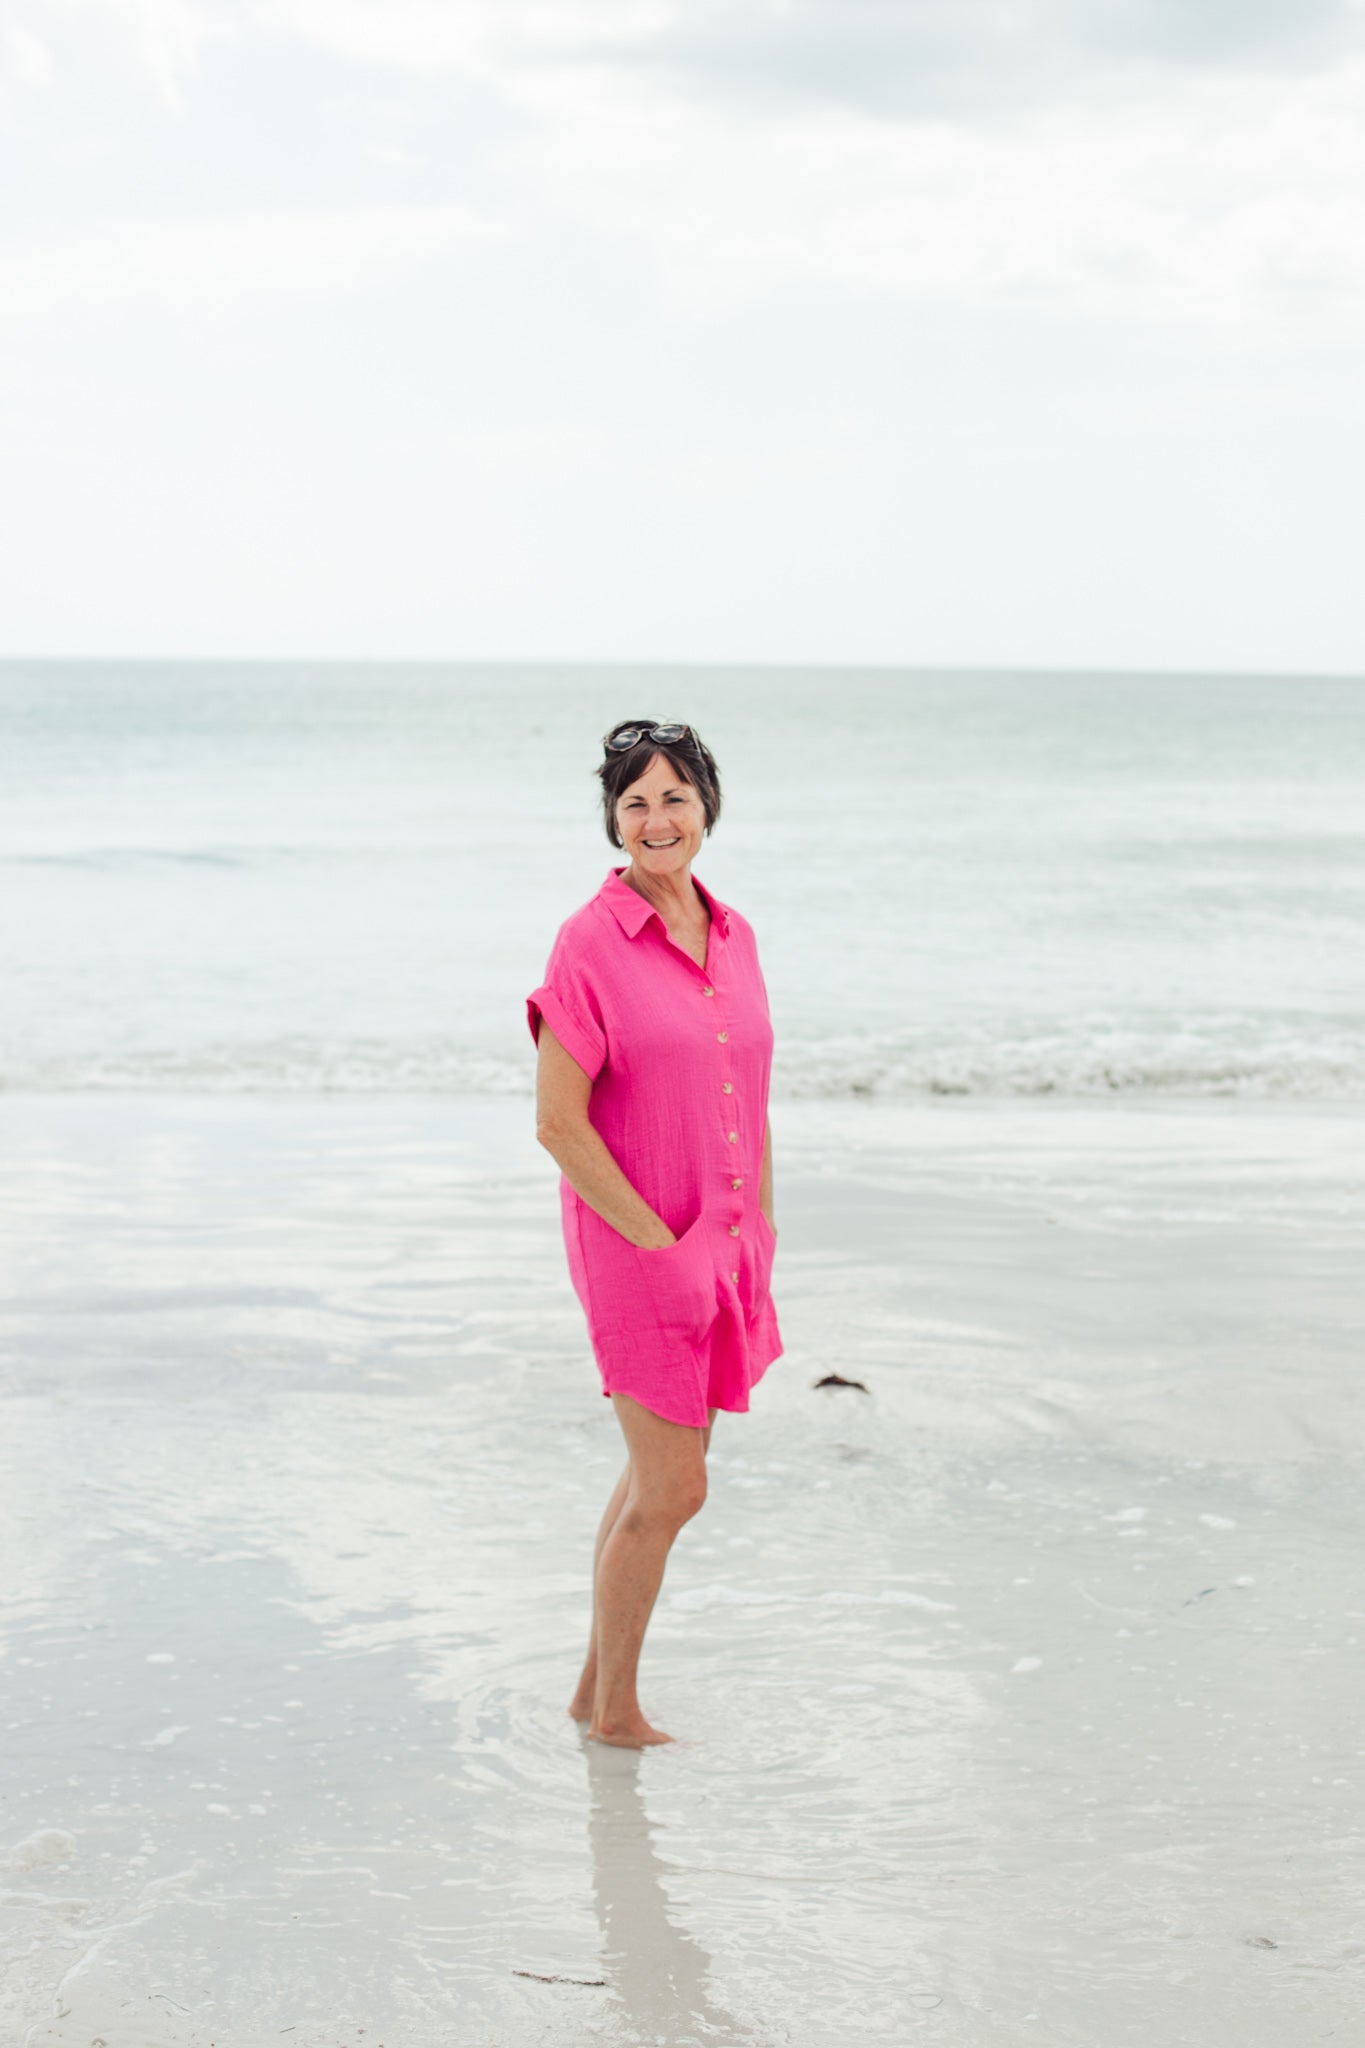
[[689, 1500], [670, 1506]]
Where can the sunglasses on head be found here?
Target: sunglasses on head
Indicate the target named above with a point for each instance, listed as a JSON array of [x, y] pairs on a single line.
[[627, 736]]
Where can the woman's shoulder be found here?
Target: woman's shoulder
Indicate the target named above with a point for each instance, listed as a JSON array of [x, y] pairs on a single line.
[[739, 926], [586, 933], [735, 920], [743, 943]]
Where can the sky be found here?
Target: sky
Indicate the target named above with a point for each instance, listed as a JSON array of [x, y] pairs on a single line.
[[923, 332]]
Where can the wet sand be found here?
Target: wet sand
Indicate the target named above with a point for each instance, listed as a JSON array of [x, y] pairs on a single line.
[[1018, 1697]]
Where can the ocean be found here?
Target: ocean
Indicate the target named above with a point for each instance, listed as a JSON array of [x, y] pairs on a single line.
[[345, 877]]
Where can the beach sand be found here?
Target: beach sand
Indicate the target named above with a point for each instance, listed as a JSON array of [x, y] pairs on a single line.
[[1018, 1697]]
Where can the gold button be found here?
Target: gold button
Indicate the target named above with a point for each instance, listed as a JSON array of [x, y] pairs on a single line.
[[734, 1230], [722, 1038], [733, 1136], [708, 991], [727, 1087], [736, 1185], [735, 1278]]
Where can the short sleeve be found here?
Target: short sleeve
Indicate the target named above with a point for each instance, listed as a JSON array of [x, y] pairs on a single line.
[[569, 1004]]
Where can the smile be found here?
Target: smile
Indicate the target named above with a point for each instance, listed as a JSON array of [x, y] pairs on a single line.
[[657, 845]]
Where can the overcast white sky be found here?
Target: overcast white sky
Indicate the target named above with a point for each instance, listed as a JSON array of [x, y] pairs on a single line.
[[922, 331]]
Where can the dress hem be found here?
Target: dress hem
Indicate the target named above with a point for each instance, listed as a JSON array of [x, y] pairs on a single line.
[[721, 1407]]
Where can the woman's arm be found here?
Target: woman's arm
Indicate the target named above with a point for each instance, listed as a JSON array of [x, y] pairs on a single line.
[[765, 1184], [563, 1128]]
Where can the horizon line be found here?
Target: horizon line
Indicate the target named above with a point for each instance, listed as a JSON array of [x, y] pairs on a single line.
[[524, 662]]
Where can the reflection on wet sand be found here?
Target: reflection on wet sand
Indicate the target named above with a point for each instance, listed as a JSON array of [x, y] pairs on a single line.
[[985, 1675], [656, 1971]]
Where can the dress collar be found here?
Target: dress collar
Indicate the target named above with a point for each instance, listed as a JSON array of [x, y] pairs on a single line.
[[632, 912]]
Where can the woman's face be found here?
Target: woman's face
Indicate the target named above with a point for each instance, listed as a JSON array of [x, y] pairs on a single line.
[[660, 819]]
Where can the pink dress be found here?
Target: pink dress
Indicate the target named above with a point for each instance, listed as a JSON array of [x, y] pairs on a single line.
[[679, 1058]]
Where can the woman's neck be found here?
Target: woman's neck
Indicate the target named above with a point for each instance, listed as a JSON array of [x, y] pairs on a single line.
[[676, 897]]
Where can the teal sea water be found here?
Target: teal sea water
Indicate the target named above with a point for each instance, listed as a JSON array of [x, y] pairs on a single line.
[[291, 877]]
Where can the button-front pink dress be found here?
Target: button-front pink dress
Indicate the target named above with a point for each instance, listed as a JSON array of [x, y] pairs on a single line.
[[679, 1057]]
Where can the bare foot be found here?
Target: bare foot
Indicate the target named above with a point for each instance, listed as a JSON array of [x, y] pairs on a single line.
[[580, 1706], [634, 1733]]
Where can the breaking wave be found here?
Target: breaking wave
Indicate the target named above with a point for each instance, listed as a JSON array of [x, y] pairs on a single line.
[[1203, 1063]]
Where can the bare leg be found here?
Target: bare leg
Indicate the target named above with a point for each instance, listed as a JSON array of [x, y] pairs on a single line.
[[666, 1486], [581, 1704]]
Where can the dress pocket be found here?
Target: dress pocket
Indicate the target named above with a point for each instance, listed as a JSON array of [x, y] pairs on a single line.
[[677, 1284]]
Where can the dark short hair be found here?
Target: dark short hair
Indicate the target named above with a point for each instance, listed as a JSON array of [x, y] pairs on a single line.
[[690, 758]]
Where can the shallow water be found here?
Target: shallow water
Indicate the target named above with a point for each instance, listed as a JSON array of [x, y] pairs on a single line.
[[1017, 1697]]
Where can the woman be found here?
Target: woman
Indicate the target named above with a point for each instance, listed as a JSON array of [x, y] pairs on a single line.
[[652, 1096]]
